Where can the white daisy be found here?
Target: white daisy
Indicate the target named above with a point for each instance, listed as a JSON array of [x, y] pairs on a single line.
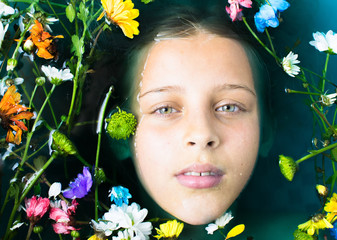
[[325, 42], [56, 76], [104, 227], [6, 10], [289, 64], [221, 222], [3, 30], [123, 235], [328, 99]]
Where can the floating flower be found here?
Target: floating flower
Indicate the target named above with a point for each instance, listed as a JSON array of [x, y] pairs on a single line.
[[267, 16], [221, 222], [289, 64], [234, 10], [120, 195], [11, 113], [238, 229], [121, 125], [56, 76], [169, 230], [5, 10], [331, 208], [61, 144], [121, 13], [3, 30], [314, 224], [62, 213], [325, 42], [54, 189], [123, 235], [288, 167], [329, 99], [36, 208], [103, 228], [81, 186], [43, 41]]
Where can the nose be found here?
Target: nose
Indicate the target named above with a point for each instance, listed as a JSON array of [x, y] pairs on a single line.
[[201, 132]]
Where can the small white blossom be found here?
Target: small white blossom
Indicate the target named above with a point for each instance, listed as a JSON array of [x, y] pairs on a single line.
[[221, 222], [289, 64], [6, 10], [56, 76], [329, 99], [54, 190], [3, 30], [4, 86], [104, 227], [325, 42], [124, 235]]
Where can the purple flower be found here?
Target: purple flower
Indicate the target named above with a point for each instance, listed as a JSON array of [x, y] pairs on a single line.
[[80, 186]]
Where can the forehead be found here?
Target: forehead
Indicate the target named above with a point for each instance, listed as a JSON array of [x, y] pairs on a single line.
[[208, 56]]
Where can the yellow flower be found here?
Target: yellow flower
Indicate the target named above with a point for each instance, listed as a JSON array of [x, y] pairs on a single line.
[[314, 224], [170, 229], [331, 208], [122, 14], [95, 237], [322, 190]]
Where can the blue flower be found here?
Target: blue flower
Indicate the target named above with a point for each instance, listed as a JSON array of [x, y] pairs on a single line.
[[279, 5], [266, 17], [80, 186], [333, 231], [120, 195]]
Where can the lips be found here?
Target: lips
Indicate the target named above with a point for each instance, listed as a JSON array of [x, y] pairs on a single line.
[[199, 176]]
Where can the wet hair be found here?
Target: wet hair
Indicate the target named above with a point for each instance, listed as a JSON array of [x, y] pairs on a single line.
[[182, 22]]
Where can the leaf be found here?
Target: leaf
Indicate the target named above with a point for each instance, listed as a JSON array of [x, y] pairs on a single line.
[[70, 12], [83, 13], [332, 178], [235, 231], [334, 153], [77, 47]]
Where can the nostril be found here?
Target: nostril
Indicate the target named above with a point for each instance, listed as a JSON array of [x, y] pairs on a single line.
[[210, 144], [191, 143]]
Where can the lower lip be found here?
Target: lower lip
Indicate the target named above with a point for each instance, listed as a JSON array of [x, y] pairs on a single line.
[[199, 182]]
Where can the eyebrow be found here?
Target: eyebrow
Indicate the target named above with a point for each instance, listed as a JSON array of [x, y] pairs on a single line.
[[174, 88]]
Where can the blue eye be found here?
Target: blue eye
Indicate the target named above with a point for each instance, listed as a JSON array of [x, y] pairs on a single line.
[[228, 108], [165, 110]]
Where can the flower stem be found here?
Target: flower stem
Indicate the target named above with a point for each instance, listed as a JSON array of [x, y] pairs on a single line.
[[301, 92], [51, 107], [32, 96], [325, 70], [316, 152], [30, 229], [324, 119], [99, 132], [52, 9]]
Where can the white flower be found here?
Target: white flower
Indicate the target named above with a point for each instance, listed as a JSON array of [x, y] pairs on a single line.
[[325, 42], [56, 76], [55, 189], [6, 10], [289, 64], [329, 99], [4, 86], [8, 152], [3, 30], [124, 235], [221, 222], [103, 226]]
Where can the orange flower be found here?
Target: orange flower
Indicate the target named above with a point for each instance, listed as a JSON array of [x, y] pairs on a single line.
[[43, 41], [10, 114]]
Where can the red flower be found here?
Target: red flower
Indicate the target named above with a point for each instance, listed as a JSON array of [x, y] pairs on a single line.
[[10, 114], [36, 208], [62, 214]]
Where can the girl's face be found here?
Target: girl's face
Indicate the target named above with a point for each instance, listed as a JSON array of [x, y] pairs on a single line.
[[198, 135]]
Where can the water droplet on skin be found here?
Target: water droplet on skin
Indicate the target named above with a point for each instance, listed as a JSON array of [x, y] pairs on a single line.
[[240, 174]]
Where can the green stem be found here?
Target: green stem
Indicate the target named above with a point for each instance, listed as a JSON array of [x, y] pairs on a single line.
[[270, 41], [65, 28], [25, 192], [30, 230], [325, 70], [301, 92], [51, 107], [258, 39], [334, 179], [79, 157], [322, 116], [99, 132], [316, 152], [32, 96]]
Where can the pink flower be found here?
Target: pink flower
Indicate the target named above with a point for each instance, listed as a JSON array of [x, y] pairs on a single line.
[[62, 213], [234, 10], [36, 208]]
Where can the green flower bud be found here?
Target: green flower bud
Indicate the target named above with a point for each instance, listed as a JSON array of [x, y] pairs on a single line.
[[37, 229], [40, 81], [28, 46], [121, 125], [75, 234], [299, 235], [288, 167], [100, 176], [62, 145], [11, 64]]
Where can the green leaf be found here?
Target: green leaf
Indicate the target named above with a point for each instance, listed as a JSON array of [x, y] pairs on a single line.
[[77, 47], [70, 13], [332, 178], [37, 189], [334, 153], [83, 13], [147, 1]]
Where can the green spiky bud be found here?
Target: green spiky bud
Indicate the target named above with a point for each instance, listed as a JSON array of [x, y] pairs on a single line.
[[62, 145], [121, 125], [288, 167]]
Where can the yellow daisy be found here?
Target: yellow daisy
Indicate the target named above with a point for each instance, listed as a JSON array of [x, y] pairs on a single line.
[[169, 230], [121, 13], [314, 224], [331, 208]]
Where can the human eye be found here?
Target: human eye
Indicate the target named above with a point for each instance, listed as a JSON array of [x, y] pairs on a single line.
[[165, 110], [229, 108]]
